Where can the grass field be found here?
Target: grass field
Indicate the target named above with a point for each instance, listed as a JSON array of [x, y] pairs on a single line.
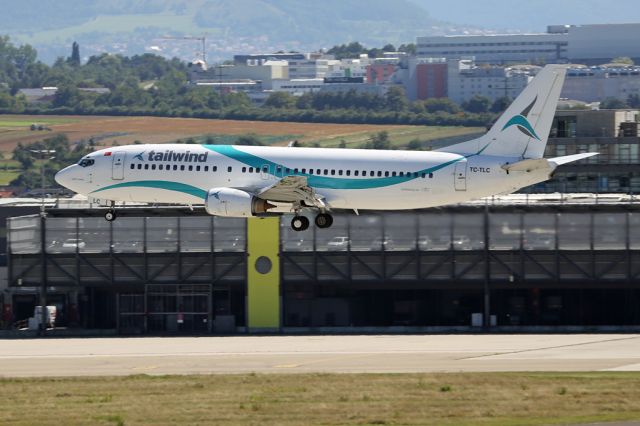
[[126, 130], [442, 399]]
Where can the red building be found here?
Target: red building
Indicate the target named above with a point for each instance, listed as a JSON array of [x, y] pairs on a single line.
[[379, 73], [431, 80]]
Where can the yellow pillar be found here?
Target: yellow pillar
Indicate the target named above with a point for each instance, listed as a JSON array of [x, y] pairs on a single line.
[[263, 273]]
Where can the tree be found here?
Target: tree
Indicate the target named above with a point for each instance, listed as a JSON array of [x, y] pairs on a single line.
[[613, 103], [280, 100], [501, 104], [395, 99], [251, 140], [379, 141], [409, 48], [633, 100], [477, 104], [441, 104], [74, 60]]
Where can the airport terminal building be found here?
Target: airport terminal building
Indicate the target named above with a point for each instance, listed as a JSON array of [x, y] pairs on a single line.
[[522, 261]]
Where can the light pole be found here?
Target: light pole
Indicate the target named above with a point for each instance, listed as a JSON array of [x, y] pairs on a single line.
[[44, 154]]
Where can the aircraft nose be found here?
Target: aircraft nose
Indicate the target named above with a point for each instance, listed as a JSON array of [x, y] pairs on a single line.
[[63, 177]]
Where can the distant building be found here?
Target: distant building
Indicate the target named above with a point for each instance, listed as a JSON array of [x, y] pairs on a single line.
[[590, 44], [612, 133], [466, 80], [298, 86], [593, 84], [257, 59]]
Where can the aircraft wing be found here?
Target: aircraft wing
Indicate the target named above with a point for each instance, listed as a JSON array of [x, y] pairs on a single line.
[[291, 189]]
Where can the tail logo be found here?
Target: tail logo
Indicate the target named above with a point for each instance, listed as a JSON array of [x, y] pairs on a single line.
[[522, 123]]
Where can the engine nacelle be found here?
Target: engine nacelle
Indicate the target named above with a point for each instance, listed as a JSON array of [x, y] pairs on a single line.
[[232, 202]]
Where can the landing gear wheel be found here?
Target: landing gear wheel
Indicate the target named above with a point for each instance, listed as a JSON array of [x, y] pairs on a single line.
[[324, 220], [110, 215], [299, 223]]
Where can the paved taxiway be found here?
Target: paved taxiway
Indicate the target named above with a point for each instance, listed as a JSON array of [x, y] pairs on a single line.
[[289, 354]]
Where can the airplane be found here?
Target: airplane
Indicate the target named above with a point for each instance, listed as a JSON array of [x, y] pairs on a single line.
[[245, 181]]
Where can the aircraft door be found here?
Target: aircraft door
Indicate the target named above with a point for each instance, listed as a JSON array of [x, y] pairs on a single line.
[[117, 167], [460, 176]]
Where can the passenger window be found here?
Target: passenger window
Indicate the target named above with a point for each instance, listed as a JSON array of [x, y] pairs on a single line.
[[229, 169], [423, 175], [182, 168], [304, 171], [139, 166], [190, 168], [287, 170], [257, 169], [197, 168], [250, 169], [401, 174], [372, 173], [160, 166], [393, 174], [206, 168], [355, 173], [339, 172], [379, 173], [244, 170], [333, 172], [214, 169], [318, 172], [146, 167], [348, 172], [430, 175], [153, 167], [133, 166], [310, 171], [175, 167], [326, 172]]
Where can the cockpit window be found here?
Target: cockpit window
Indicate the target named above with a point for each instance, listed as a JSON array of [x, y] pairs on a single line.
[[86, 162]]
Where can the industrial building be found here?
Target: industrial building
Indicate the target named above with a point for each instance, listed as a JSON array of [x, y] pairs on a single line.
[[589, 44]]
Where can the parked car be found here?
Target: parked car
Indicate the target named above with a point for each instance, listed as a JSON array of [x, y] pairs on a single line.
[[461, 242], [72, 244], [338, 243], [384, 243]]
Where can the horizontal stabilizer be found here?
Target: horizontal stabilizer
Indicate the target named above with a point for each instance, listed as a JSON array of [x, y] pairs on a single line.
[[527, 165], [570, 158]]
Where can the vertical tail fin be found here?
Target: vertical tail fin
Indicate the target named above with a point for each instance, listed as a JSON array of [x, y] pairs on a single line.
[[523, 129]]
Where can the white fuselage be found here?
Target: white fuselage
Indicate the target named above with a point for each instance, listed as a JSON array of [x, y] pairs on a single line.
[[345, 178]]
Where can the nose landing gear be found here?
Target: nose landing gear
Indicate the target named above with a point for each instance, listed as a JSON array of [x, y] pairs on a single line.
[[110, 215]]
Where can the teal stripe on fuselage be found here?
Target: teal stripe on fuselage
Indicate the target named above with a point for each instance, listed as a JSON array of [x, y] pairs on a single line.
[[322, 182], [159, 184]]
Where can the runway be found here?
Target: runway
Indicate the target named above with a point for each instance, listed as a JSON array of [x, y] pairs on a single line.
[[327, 354]]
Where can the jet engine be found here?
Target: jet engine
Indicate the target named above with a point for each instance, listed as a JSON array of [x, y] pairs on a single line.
[[232, 202]]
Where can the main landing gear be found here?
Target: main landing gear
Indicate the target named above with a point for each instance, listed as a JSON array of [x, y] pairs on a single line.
[[301, 223]]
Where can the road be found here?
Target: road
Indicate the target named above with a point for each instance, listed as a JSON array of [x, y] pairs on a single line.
[[334, 354]]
